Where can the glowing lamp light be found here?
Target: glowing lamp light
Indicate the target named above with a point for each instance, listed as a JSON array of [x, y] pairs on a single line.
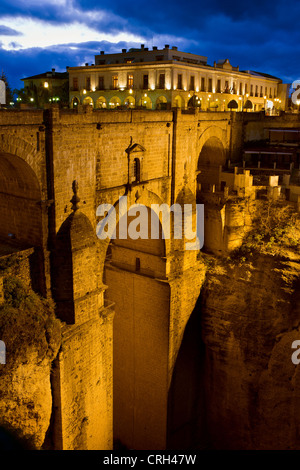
[[31, 99], [93, 89], [265, 97], [130, 91], [145, 94], [247, 94], [46, 84], [209, 96], [84, 91]]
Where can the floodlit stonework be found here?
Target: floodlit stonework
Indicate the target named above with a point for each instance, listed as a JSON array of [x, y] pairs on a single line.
[[138, 353]]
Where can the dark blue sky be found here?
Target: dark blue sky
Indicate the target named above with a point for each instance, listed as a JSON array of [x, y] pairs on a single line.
[[261, 35]]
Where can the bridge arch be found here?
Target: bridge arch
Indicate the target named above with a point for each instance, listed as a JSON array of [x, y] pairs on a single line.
[[21, 213], [18, 147], [135, 280], [211, 155]]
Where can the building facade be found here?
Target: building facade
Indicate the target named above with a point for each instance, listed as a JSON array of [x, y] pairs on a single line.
[[166, 78], [44, 88]]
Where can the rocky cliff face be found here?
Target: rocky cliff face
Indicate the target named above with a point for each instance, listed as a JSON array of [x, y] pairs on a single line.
[[31, 334], [250, 318]]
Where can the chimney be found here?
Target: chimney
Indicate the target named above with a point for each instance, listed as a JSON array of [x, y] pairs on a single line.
[[167, 46], [175, 48], [142, 46], [102, 52], [146, 49], [53, 71], [155, 48], [86, 64], [123, 51]]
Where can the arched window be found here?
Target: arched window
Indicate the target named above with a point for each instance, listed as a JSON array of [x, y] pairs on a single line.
[[137, 170]]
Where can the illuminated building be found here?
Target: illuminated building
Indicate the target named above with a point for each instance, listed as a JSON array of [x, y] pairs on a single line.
[[166, 78]]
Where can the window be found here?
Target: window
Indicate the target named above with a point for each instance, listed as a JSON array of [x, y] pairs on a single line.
[[88, 83], [270, 92], [202, 84], [137, 264], [256, 90], [209, 84], [145, 82], [161, 81], [179, 81], [251, 90], [219, 86], [246, 88], [115, 82], [101, 83], [261, 91], [192, 83], [129, 81], [137, 169], [241, 88], [75, 84], [266, 91], [128, 61], [226, 86]]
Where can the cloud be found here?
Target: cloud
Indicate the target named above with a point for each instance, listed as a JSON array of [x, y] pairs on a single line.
[[43, 34], [257, 35], [6, 31]]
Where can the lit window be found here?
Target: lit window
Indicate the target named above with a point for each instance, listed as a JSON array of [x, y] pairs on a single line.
[[129, 81], [115, 81]]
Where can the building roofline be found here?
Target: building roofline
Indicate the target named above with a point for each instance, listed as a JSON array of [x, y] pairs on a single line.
[[172, 62]]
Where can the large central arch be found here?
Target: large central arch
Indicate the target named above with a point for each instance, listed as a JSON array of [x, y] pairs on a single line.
[[211, 157], [135, 274]]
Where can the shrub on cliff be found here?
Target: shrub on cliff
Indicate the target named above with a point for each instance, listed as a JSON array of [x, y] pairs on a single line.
[[28, 325]]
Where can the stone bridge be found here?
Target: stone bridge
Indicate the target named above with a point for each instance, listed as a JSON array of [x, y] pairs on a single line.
[[124, 304]]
